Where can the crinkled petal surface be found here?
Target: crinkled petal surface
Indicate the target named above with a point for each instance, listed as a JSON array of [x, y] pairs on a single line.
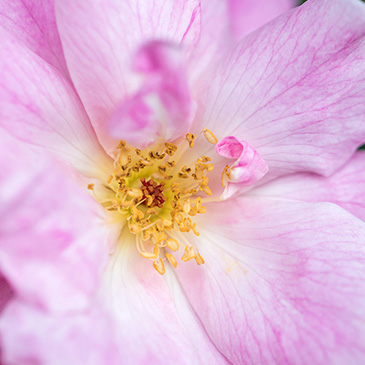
[[33, 24], [53, 239], [103, 36], [38, 105], [283, 282], [346, 187], [293, 89]]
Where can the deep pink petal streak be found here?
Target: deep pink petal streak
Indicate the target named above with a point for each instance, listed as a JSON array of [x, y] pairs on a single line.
[[33, 24]]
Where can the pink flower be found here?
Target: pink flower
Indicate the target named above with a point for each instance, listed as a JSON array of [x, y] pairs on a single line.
[[238, 182]]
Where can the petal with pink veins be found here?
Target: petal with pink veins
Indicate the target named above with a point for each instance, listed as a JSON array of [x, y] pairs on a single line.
[[282, 283], [33, 24], [53, 235], [162, 108], [38, 105], [223, 23], [294, 89], [103, 36], [346, 187]]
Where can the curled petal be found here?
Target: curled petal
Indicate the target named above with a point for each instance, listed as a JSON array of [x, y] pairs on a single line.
[[248, 168]]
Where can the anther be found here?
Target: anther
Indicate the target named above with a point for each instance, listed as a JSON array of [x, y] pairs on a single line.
[[121, 144], [172, 244], [199, 260], [159, 266], [190, 138], [171, 259], [210, 137], [189, 253], [148, 255], [225, 172], [134, 228], [135, 193], [186, 206]]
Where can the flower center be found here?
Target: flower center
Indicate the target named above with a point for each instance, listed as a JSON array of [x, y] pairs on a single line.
[[158, 196]]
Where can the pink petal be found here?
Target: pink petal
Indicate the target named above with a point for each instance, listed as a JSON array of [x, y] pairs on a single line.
[[104, 35], [151, 312], [294, 89], [346, 187], [282, 283], [134, 321], [33, 24], [30, 336], [248, 15], [225, 22], [39, 106], [6, 293], [50, 230], [162, 108], [214, 42]]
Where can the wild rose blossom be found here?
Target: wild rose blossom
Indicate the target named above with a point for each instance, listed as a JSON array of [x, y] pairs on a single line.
[[207, 203]]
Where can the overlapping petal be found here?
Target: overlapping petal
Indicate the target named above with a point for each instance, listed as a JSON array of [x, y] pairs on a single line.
[[6, 293], [38, 105], [293, 89], [154, 319], [50, 230], [223, 23], [36, 337], [248, 15], [346, 187], [33, 24], [283, 282], [103, 36]]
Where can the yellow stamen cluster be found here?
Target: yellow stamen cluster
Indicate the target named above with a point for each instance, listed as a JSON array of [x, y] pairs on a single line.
[[158, 196]]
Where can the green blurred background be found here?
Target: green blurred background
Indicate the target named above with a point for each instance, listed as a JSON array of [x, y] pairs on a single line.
[[300, 2]]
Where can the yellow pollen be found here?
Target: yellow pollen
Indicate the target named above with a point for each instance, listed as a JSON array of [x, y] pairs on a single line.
[[159, 266], [158, 197], [190, 138], [210, 137], [172, 244], [199, 260], [225, 173], [171, 259], [189, 253]]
